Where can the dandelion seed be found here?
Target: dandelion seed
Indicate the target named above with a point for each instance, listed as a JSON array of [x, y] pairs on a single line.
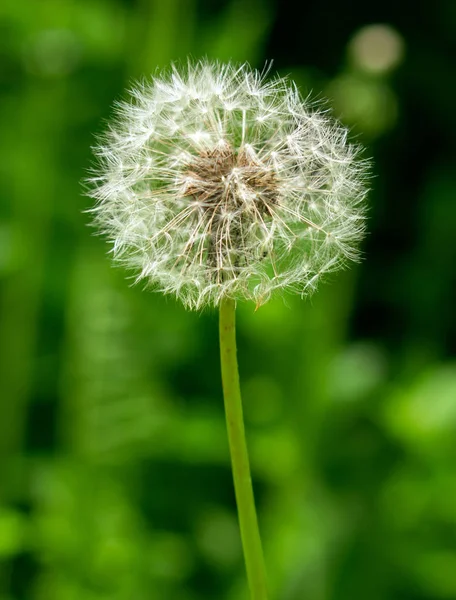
[[214, 183]]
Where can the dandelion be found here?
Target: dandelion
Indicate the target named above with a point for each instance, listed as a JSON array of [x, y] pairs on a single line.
[[216, 184]]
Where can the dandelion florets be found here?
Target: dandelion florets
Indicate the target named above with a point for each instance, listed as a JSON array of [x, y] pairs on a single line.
[[215, 182]]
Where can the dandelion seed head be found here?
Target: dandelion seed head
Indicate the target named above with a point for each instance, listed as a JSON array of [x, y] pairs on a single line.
[[216, 182]]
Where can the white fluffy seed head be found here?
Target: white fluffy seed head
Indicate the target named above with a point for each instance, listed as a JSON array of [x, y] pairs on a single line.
[[215, 182]]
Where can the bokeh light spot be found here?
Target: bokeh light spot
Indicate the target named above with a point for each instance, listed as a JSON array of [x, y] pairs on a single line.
[[376, 48]]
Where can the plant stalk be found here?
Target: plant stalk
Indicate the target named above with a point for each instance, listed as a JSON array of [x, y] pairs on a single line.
[[248, 522]]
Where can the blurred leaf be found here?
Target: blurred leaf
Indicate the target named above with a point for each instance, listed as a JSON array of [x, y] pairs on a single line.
[[423, 415], [12, 532]]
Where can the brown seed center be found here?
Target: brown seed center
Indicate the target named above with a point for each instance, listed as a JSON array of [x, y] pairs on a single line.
[[225, 179], [235, 194]]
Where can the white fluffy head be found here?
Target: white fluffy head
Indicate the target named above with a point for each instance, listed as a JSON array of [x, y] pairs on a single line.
[[215, 182]]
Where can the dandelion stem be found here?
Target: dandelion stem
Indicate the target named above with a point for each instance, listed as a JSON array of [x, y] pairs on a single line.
[[248, 522]]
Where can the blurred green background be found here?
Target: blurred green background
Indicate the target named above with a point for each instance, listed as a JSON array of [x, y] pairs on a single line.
[[114, 474]]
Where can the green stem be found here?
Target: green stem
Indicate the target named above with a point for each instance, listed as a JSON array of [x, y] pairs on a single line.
[[248, 523]]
